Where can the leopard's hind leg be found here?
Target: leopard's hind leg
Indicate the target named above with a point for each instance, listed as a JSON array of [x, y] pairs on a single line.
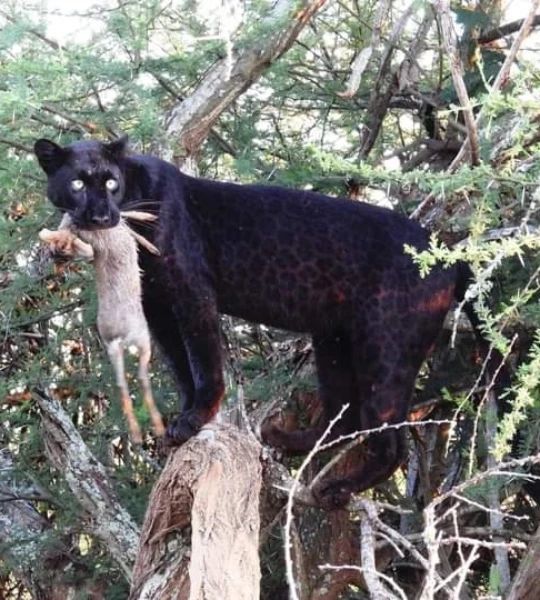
[[337, 386]]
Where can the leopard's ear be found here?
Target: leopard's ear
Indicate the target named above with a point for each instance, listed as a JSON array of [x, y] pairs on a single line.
[[51, 156], [117, 148]]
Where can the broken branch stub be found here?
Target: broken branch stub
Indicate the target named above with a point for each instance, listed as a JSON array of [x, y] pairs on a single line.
[[200, 537]]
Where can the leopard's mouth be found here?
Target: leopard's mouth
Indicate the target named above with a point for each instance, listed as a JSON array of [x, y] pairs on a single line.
[[95, 222]]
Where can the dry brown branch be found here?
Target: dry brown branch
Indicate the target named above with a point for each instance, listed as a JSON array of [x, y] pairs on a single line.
[[386, 83], [451, 548], [456, 67], [502, 76], [88, 480], [362, 59], [525, 583], [201, 530], [190, 121], [504, 30], [430, 210]]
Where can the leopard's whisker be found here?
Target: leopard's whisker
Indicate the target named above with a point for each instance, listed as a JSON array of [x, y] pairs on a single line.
[[140, 204], [138, 215]]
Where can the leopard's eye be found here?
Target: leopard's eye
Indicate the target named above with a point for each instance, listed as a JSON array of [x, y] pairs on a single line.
[[111, 185], [77, 185]]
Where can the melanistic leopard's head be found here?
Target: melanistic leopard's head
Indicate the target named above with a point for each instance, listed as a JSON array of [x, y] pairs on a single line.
[[85, 179]]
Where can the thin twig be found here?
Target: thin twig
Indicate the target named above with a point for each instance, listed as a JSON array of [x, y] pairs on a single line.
[[290, 502], [502, 76], [456, 68]]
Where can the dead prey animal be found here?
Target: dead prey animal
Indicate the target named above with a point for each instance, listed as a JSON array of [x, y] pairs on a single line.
[[121, 322]]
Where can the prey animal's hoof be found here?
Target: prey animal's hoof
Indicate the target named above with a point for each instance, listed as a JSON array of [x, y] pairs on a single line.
[[64, 243], [183, 427], [332, 494], [135, 434]]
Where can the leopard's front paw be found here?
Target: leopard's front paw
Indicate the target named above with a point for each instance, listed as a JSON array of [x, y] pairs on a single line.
[[184, 426]]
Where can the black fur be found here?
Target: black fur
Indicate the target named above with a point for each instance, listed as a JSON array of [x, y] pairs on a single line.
[[290, 259]]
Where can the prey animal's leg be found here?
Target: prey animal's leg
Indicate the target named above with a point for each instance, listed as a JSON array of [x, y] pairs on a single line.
[[65, 243], [145, 354], [116, 355]]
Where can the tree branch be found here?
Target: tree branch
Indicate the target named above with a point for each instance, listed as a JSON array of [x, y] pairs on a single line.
[[51, 43], [88, 481], [25, 540], [502, 76], [456, 68], [504, 30], [430, 209], [190, 121]]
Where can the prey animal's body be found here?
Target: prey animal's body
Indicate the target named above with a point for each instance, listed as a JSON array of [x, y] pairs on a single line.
[[120, 320], [292, 259]]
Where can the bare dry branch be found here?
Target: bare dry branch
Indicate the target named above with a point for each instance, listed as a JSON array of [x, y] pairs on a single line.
[[456, 68], [502, 76], [429, 211], [362, 59], [88, 480], [504, 30], [190, 121]]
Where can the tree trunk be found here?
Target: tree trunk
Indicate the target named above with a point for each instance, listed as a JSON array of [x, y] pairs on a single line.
[[525, 584], [200, 537]]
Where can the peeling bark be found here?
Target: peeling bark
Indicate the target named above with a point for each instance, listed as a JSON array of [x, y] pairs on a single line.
[[190, 121], [200, 537], [88, 481]]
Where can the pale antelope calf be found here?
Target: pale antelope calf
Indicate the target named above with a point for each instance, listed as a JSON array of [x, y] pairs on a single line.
[[121, 322]]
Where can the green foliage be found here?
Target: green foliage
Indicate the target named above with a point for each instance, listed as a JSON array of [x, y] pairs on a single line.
[[291, 127], [527, 396]]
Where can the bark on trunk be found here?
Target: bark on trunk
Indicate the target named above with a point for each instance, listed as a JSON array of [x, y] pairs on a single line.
[[200, 537], [525, 583], [88, 480]]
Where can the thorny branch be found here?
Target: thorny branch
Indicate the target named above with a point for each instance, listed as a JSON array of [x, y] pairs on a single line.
[[425, 547], [429, 210]]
